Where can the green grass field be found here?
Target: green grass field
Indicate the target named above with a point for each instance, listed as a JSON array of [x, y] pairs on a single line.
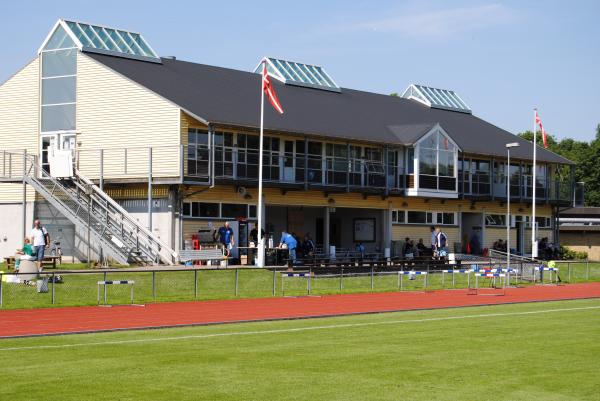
[[81, 289], [538, 351]]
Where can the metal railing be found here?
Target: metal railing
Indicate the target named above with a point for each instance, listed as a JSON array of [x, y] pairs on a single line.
[[89, 208], [75, 288]]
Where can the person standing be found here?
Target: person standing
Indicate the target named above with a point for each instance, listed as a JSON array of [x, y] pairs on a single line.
[[290, 242], [40, 240], [441, 243], [226, 237], [433, 239]]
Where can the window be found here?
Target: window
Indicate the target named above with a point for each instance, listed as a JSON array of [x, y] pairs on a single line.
[[198, 153], [58, 92], [418, 217], [495, 220], [398, 216], [437, 162], [234, 210], [445, 218], [216, 210], [543, 222]]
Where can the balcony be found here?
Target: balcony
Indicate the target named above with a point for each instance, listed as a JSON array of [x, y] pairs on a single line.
[[291, 170], [478, 186]]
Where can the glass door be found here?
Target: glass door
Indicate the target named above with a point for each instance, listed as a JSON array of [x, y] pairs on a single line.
[[48, 144], [289, 161]]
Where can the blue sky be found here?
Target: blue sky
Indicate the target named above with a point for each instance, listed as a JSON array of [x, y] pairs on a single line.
[[503, 58]]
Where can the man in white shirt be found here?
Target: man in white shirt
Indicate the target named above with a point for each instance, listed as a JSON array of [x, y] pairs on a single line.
[[40, 240]]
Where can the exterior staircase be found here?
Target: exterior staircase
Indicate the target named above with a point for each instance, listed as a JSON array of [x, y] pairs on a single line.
[[120, 236]]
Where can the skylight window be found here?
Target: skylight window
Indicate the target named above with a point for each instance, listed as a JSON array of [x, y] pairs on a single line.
[[293, 73], [436, 98], [105, 40]]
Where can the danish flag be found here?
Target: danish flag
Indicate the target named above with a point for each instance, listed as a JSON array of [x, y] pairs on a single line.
[[270, 92], [538, 121]]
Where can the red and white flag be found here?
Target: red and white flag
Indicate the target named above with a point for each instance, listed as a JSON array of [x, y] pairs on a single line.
[[270, 91], [538, 121]]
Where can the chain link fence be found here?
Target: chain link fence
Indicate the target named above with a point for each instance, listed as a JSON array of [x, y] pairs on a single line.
[[77, 288]]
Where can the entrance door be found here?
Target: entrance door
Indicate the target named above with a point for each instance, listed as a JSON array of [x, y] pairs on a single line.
[[51, 142], [289, 161], [520, 237], [335, 232]]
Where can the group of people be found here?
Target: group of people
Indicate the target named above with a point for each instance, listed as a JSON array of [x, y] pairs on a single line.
[[225, 236], [438, 245], [34, 246]]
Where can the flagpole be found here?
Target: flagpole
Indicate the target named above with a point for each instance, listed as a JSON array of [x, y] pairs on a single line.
[[261, 241], [534, 250]]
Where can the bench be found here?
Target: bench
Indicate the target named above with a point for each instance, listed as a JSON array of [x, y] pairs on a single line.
[[202, 255], [48, 262]]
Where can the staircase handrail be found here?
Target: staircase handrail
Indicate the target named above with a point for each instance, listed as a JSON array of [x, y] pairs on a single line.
[[105, 197]]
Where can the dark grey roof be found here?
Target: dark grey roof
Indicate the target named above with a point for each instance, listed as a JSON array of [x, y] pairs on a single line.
[[231, 97], [581, 212], [408, 134]]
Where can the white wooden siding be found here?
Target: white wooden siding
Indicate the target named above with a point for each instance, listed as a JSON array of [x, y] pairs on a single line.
[[115, 113], [19, 111]]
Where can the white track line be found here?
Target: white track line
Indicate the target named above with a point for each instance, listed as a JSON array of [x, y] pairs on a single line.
[[298, 329]]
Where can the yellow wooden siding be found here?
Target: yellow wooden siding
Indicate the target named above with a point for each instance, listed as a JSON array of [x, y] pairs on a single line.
[[19, 124], [137, 191], [583, 241], [114, 113], [274, 196]]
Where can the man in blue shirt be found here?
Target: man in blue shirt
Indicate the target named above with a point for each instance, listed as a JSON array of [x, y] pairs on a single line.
[[291, 244], [226, 237]]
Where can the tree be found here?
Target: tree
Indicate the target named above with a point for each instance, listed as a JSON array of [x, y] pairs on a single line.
[[586, 156]]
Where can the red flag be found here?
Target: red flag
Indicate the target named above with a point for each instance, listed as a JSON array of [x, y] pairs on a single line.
[[270, 92], [538, 121]]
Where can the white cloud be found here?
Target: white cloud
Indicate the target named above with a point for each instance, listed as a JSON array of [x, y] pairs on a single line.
[[441, 23]]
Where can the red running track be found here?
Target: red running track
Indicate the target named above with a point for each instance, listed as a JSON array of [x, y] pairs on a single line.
[[70, 320]]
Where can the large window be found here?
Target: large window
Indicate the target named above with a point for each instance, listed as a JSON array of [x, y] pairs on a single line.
[[437, 162], [419, 217], [216, 210], [58, 92], [198, 153], [423, 217]]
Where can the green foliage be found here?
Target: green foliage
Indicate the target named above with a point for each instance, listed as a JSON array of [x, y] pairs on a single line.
[[394, 94], [569, 254], [586, 155]]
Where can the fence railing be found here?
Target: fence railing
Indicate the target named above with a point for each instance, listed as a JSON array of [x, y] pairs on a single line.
[[78, 288]]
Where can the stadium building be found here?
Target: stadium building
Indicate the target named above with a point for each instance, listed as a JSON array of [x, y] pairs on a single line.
[[172, 148]]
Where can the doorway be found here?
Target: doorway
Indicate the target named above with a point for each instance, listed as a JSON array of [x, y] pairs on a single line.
[[520, 237], [56, 141]]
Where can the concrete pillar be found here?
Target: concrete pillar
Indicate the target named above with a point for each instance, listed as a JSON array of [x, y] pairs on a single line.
[[326, 230]]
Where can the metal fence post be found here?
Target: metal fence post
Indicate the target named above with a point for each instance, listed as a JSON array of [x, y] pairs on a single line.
[[587, 270], [195, 283], [1, 290], [274, 281], [154, 286], [309, 278], [569, 270], [237, 271], [52, 287], [341, 280], [105, 288], [372, 279]]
